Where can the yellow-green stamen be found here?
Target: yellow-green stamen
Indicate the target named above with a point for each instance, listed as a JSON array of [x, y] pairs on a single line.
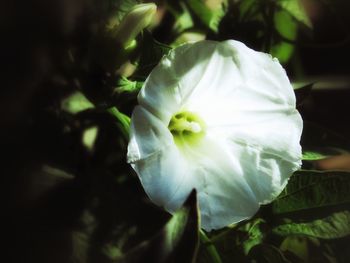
[[186, 127]]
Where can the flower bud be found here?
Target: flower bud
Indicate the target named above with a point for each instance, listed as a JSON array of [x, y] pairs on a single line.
[[139, 17], [114, 44]]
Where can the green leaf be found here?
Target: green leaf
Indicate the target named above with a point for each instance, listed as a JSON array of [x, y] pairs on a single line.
[[125, 92], [151, 53], [118, 9], [255, 234], [302, 92], [210, 248], [247, 8], [298, 248], [89, 137], [319, 143], [127, 86], [210, 17], [123, 120], [183, 18], [126, 89], [287, 28], [313, 189], [296, 10], [283, 51], [336, 225], [113, 43], [314, 154], [315, 136], [76, 103], [176, 242], [265, 253]]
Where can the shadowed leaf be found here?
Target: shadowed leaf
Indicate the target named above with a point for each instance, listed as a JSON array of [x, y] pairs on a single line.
[[296, 10], [336, 225], [286, 27], [209, 17], [255, 234], [313, 189], [265, 253], [76, 103], [318, 136], [314, 154], [302, 93], [176, 242], [148, 60]]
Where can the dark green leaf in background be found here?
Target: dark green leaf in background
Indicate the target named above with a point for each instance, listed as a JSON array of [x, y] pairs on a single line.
[[125, 92], [176, 242], [117, 10], [298, 248], [313, 155], [313, 190], [296, 9], [148, 60], [316, 136], [210, 17], [255, 234], [319, 143], [336, 225], [248, 8], [302, 92], [75, 103], [265, 253], [287, 28]]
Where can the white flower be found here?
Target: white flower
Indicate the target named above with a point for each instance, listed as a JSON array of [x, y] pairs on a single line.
[[221, 118]]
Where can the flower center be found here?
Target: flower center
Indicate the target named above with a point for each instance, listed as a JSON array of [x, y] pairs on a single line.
[[186, 127]]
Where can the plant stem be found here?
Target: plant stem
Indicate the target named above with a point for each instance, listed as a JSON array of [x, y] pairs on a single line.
[[210, 248], [123, 120], [230, 228]]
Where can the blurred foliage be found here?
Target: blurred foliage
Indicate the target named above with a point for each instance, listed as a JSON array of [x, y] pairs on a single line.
[[176, 242], [68, 88]]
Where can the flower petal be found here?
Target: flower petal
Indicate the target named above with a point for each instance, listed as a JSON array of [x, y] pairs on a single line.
[[169, 175], [278, 133], [226, 197], [174, 78], [248, 98], [266, 172], [235, 67], [148, 135], [162, 174], [242, 86]]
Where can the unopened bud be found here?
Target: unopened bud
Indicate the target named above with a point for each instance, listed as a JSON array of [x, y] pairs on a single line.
[[139, 17]]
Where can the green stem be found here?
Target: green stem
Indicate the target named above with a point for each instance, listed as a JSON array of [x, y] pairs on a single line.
[[123, 120], [230, 228], [210, 248], [221, 235]]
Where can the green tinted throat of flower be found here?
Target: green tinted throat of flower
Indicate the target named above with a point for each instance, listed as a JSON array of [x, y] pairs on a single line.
[[186, 128]]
